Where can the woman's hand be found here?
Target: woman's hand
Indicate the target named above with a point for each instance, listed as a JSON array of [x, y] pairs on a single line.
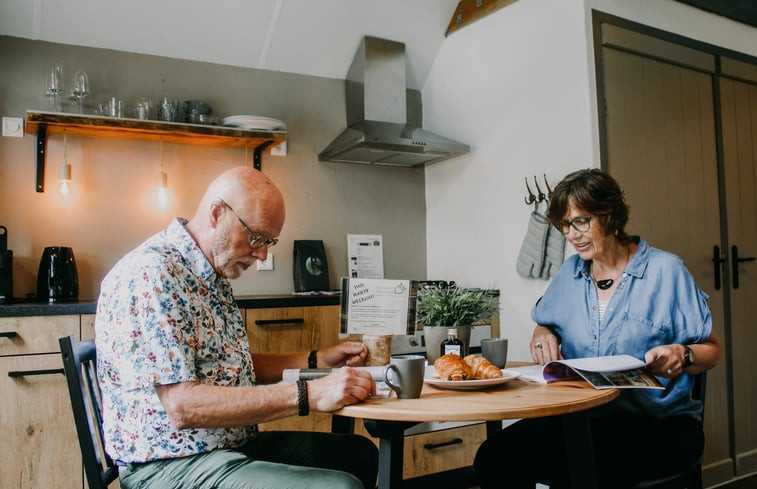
[[665, 360], [544, 345]]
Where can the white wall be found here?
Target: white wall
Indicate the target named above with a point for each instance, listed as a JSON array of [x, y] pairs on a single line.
[[518, 86]]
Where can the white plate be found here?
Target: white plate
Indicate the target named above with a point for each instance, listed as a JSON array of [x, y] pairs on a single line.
[[254, 122], [507, 376]]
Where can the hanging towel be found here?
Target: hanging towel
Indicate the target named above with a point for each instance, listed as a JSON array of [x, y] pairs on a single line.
[[554, 253], [532, 250]]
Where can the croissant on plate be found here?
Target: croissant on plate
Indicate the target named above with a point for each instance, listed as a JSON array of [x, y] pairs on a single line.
[[482, 368], [452, 367]]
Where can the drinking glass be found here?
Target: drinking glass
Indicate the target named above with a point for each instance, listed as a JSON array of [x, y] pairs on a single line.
[[80, 89], [53, 84]]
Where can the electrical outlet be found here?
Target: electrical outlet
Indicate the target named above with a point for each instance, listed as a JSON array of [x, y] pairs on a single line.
[[280, 149], [267, 264], [13, 127]]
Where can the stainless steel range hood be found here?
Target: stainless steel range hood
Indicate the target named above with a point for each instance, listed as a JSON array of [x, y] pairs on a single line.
[[383, 116]]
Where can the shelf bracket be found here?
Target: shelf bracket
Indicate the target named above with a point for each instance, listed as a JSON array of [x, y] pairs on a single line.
[[256, 158], [41, 148]]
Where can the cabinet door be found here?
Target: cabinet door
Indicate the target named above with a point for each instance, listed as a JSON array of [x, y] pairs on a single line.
[[40, 448], [292, 329]]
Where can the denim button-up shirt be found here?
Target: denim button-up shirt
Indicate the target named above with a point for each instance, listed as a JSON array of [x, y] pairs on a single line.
[[656, 303]]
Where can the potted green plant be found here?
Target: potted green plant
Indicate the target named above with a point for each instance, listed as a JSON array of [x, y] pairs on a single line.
[[440, 308]]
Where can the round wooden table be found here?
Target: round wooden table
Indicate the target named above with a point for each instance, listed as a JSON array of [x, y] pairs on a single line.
[[387, 418]]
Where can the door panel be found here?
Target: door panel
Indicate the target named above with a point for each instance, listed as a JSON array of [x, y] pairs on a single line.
[[739, 109], [661, 147]]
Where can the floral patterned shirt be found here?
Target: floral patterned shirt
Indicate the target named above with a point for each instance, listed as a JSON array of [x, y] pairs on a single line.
[[165, 316]]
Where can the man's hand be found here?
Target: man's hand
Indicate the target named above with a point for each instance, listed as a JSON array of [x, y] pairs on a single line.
[[343, 387], [349, 353]]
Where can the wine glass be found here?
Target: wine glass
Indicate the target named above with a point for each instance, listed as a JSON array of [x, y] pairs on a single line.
[[54, 84], [80, 89]]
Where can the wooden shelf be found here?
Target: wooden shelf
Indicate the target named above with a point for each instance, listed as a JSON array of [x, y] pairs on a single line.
[[43, 124]]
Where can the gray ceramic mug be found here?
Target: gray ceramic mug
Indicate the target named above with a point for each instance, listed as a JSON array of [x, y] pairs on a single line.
[[495, 350], [405, 375]]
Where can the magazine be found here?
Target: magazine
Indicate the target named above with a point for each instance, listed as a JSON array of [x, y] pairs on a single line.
[[615, 371]]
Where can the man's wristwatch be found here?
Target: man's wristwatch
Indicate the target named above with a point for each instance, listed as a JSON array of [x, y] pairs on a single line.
[[688, 357]]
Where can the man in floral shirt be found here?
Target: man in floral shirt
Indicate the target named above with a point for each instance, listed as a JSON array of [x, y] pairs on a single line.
[[181, 404]]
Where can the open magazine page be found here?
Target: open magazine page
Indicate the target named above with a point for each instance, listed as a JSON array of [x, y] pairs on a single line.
[[616, 371]]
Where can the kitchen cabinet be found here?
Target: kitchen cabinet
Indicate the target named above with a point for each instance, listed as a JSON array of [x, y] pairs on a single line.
[[40, 447], [44, 124]]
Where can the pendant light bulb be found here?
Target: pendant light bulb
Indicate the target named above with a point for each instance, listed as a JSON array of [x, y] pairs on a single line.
[[64, 172], [162, 190]]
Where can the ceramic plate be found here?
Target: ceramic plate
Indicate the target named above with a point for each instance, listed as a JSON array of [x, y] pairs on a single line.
[[507, 376], [253, 122]]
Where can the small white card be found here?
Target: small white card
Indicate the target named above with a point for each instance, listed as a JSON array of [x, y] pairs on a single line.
[[377, 306]]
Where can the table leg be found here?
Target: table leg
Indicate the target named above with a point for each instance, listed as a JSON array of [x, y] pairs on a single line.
[[391, 435], [580, 450], [342, 424]]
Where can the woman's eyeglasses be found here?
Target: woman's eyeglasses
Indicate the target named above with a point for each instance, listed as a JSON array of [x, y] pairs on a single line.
[[256, 241], [580, 224]]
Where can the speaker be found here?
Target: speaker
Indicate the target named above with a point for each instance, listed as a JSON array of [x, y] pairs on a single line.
[[311, 270]]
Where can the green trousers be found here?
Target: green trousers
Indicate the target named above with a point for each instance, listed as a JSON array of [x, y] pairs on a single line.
[[286, 460]]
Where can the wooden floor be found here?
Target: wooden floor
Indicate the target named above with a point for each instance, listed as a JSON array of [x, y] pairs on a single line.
[[747, 483]]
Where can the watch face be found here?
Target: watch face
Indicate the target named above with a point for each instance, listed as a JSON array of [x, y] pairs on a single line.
[[688, 356]]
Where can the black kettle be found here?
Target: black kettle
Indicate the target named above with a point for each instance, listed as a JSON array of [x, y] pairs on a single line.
[[57, 279]]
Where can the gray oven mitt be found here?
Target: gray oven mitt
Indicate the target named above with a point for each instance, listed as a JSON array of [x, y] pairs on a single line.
[[554, 253], [532, 251]]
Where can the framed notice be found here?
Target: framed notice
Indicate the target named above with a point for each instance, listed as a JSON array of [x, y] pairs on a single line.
[[378, 306], [365, 255]]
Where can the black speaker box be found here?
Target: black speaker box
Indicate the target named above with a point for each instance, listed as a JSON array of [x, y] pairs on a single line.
[[311, 271]]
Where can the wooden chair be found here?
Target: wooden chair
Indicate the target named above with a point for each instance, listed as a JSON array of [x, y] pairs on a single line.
[[79, 366], [691, 477]]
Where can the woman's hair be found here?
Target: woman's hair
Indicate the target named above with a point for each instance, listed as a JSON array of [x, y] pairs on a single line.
[[595, 192]]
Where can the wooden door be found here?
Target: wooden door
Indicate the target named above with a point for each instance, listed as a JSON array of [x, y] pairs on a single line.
[[739, 123], [661, 147]]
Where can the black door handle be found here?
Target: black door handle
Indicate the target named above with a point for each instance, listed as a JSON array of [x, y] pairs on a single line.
[[735, 260], [28, 373], [717, 260]]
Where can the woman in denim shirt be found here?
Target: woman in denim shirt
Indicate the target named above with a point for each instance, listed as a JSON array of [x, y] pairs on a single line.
[[617, 295]]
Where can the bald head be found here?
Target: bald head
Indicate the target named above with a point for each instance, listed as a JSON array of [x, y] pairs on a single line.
[[253, 197]]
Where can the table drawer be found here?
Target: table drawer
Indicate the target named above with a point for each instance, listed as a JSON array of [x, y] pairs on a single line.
[[442, 450], [35, 334]]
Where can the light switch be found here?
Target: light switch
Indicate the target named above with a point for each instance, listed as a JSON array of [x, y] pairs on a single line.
[[267, 264], [13, 127], [280, 149]]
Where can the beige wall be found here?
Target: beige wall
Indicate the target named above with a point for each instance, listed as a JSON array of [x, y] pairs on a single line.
[[111, 208]]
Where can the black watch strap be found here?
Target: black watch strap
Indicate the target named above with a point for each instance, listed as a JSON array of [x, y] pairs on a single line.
[[688, 356], [303, 404], [313, 359]]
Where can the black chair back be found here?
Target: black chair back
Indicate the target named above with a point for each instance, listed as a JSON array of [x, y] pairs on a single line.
[[80, 367]]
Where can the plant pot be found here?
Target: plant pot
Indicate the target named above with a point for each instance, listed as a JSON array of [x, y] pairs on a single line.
[[434, 335]]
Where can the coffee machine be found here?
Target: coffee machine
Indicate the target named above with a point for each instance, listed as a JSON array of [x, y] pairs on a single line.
[[6, 268], [57, 278]]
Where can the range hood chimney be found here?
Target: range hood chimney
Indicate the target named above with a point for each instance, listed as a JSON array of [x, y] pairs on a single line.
[[384, 118]]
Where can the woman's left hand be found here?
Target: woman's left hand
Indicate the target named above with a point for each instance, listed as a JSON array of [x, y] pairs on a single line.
[[665, 360]]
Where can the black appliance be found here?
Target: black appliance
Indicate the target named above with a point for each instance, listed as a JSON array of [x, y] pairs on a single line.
[[6, 268], [57, 279], [311, 270]]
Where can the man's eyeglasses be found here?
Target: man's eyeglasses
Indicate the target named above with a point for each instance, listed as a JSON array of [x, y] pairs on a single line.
[[256, 241], [580, 224]]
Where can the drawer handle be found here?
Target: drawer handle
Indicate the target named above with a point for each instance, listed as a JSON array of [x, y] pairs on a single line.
[[434, 446], [27, 373], [8, 334], [271, 322]]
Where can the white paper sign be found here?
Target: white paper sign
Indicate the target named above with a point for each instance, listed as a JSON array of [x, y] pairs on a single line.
[[365, 255], [376, 306]]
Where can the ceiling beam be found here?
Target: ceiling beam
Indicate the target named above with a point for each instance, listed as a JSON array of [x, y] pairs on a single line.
[[469, 11]]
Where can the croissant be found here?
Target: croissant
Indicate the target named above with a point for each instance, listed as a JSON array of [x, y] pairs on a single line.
[[482, 368], [452, 367]]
